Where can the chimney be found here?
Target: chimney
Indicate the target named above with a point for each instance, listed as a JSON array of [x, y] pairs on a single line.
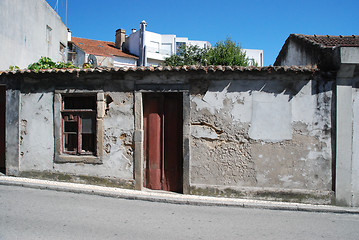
[[133, 30], [120, 38], [68, 35], [142, 59]]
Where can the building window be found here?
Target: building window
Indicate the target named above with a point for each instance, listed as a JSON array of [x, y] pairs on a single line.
[[48, 34], [180, 47], [79, 125]]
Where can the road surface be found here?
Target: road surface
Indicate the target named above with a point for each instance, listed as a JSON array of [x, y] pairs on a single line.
[[44, 214]]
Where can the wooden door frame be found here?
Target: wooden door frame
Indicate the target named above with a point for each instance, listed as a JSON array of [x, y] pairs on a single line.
[[139, 139]]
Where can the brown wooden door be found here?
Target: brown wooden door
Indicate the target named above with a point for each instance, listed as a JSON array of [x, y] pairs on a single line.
[[163, 141], [2, 128]]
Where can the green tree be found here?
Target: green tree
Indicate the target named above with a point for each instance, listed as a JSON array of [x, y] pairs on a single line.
[[226, 53], [188, 55]]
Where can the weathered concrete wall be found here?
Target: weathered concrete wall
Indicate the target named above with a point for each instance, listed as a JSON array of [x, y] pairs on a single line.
[[118, 149], [36, 131], [37, 142], [297, 55], [261, 133], [352, 175], [12, 131]]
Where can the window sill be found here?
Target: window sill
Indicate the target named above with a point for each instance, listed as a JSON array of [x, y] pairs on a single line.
[[65, 158]]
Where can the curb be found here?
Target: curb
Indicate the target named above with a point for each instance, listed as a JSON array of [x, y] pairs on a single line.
[[172, 198]]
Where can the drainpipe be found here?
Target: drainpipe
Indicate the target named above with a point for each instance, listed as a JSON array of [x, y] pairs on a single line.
[[143, 55]]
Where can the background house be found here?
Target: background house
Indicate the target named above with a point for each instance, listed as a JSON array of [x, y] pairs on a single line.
[[155, 47], [98, 54], [30, 29]]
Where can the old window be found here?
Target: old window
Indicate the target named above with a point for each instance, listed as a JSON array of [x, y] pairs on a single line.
[[79, 124]]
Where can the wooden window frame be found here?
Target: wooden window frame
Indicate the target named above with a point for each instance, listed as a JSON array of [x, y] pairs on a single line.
[[63, 155], [76, 116]]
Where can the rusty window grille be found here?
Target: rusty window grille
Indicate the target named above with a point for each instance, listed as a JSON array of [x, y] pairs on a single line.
[[78, 115]]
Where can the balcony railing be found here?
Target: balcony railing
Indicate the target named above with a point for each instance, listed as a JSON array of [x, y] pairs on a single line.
[[159, 50]]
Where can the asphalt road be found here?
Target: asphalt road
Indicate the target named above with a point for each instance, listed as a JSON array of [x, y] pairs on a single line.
[[43, 214]]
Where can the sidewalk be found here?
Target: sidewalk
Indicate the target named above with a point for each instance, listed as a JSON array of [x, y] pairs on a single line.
[[175, 198]]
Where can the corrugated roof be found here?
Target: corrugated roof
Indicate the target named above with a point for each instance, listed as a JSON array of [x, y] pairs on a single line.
[[330, 41], [101, 48], [207, 69]]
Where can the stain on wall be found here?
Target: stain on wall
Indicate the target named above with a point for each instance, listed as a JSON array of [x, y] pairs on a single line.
[[262, 133]]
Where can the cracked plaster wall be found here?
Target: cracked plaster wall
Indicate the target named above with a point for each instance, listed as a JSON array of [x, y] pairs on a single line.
[[36, 127], [261, 133]]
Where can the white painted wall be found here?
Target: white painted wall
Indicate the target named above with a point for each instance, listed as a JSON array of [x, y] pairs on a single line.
[[133, 43], [124, 62], [23, 34]]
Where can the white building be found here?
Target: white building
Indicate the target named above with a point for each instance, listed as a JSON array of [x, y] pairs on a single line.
[[255, 56], [152, 48], [28, 30]]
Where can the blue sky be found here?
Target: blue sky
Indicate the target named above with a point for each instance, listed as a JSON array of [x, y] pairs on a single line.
[[253, 24]]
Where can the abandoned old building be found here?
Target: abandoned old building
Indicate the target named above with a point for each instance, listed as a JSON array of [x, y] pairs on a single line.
[[263, 132]]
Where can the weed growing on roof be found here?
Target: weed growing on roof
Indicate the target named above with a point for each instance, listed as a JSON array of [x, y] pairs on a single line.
[[13, 68], [47, 63]]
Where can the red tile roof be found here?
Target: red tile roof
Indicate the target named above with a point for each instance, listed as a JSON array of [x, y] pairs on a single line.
[[101, 48], [330, 41]]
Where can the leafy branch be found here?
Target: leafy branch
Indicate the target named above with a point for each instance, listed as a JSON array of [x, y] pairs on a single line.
[[47, 63]]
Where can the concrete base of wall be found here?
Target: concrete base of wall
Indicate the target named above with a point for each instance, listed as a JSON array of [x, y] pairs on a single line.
[[271, 194], [62, 177]]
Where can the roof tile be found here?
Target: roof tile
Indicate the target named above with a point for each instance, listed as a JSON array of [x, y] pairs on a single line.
[[326, 41], [206, 69], [101, 48]]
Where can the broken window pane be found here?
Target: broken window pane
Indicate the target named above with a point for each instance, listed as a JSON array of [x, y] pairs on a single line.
[[71, 127], [71, 142], [88, 143]]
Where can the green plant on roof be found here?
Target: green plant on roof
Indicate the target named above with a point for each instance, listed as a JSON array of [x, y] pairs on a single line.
[[47, 63], [13, 68]]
